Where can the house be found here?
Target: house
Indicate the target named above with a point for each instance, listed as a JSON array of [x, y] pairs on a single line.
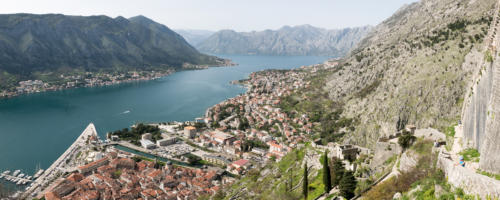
[[346, 152], [221, 137], [216, 159], [93, 165], [275, 147], [259, 151], [242, 163]]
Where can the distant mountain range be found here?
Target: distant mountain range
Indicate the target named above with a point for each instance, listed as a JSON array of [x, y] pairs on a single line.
[[297, 40], [45, 43], [193, 36]]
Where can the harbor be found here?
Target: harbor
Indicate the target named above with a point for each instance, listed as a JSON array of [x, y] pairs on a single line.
[[19, 178]]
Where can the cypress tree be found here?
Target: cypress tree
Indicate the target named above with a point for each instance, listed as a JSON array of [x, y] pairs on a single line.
[[327, 177], [347, 185], [305, 185], [338, 171]]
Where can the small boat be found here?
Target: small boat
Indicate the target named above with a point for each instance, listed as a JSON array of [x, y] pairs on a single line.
[[39, 173], [29, 177], [20, 175], [16, 172], [6, 172], [19, 182]]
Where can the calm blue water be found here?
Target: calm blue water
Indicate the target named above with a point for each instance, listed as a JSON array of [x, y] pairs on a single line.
[[35, 129]]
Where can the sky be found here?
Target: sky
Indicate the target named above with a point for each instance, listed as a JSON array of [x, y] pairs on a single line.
[[239, 15]]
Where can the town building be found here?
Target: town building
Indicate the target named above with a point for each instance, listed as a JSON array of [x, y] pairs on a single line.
[[166, 141], [147, 144], [93, 165], [189, 131], [221, 137], [219, 160]]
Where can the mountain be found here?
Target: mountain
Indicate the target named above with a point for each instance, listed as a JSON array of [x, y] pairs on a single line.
[[45, 43], [298, 40], [415, 67], [194, 37], [433, 64]]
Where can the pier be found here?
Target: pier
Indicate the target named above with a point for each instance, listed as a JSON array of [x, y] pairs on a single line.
[[60, 164], [16, 179]]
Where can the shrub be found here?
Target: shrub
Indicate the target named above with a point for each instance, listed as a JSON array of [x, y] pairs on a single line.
[[406, 140], [470, 154], [488, 57]]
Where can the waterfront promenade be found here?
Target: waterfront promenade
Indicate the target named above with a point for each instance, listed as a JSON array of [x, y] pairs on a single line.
[[60, 164]]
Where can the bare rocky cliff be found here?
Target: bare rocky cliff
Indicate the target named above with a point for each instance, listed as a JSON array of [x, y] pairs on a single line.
[[414, 67]]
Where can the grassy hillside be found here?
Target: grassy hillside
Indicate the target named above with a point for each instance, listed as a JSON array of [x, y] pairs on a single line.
[[279, 180]]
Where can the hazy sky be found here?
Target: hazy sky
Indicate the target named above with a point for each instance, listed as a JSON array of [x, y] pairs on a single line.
[[223, 14]]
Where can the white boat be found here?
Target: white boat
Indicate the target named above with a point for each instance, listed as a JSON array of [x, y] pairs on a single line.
[[39, 173], [29, 177], [19, 182], [20, 175], [6, 172], [16, 172]]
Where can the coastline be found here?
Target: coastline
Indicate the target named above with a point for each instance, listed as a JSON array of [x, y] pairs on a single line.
[[50, 172], [241, 82], [158, 75]]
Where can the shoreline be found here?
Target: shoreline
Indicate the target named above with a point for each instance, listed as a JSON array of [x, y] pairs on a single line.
[[4, 95], [49, 172]]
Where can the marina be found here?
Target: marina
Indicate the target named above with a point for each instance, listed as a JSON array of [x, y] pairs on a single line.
[[16, 177]]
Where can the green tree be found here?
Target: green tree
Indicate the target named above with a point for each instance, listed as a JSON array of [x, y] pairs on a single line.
[[337, 171], [327, 177], [405, 140], [305, 183], [347, 185]]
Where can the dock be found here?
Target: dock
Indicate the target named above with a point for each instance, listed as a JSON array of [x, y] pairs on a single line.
[[59, 165]]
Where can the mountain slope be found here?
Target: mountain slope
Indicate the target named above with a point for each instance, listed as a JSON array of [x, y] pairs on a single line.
[[298, 40], [194, 37], [43, 43], [414, 68]]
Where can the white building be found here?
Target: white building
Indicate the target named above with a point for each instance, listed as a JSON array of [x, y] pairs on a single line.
[[166, 141], [148, 144]]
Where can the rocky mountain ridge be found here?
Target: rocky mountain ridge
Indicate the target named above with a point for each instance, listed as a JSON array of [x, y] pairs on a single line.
[[414, 67], [297, 41]]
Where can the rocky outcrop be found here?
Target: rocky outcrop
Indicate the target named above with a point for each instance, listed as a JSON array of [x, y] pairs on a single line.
[[469, 181], [383, 151]]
